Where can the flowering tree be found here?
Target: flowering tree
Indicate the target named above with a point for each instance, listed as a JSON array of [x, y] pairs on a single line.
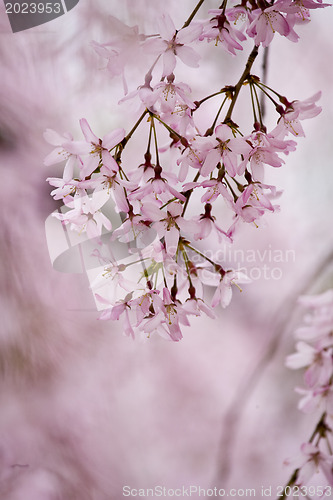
[[224, 162], [314, 353], [192, 186]]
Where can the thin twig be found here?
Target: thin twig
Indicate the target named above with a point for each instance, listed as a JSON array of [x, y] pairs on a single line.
[[264, 80], [242, 79], [197, 7]]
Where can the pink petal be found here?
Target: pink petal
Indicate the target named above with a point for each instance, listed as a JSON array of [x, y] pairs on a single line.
[[152, 212], [169, 62], [113, 138], [175, 209], [176, 194], [69, 169], [189, 34], [77, 147], [99, 198], [109, 162], [212, 159], [52, 137], [171, 240], [223, 132], [230, 163], [89, 165], [226, 296], [166, 27], [216, 297], [87, 132], [239, 146], [280, 24], [56, 156], [120, 198], [188, 56]]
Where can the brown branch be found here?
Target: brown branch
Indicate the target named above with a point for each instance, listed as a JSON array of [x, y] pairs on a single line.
[[242, 79], [197, 7]]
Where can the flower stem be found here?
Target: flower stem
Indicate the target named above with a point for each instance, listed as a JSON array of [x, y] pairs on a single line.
[[193, 13], [201, 254], [155, 140], [131, 132], [188, 197], [209, 97], [169, 129], [210, 131], [252, 102], [242, 79], [319, 431]]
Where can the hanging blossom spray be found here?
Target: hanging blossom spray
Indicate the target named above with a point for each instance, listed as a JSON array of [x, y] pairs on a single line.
[[161, 278], [315, 355]]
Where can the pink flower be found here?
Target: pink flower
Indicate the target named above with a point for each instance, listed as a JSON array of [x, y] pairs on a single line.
[[196, 307], [166, 223], [298, 11], [64, 189], [66, 149], [169, 94], [225, 151], [167, 321], [315, 460], [268, 21], [253, 203], [263, 152], [158, 189], [318, 362], [223, 282], [134, 228], [316, 399], [220, 30], [85, 214], [99, 153], [195, 155], [113, 273], [223, 293], [173, 44], [205, 225], [114, 314], [181, 121], [318, 325], [294, 112], [111, 181], [123, 48], [215, 188]]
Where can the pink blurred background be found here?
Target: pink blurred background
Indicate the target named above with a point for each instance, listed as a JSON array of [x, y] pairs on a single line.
[[85, 410]]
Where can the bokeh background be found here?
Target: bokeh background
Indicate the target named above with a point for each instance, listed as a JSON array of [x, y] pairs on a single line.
[[85, 410]]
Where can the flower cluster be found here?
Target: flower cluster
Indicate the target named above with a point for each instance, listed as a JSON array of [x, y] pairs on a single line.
[[222, 164], [315, 355]]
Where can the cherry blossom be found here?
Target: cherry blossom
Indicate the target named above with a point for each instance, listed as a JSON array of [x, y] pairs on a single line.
[[174, 43], [316, 357], [167, 223], [268, 21], [85, 215], [168, 197], [100, 148], [157, 185], [222, 32], [168, 95], [225, 151], [123, 48], [314, 461]]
